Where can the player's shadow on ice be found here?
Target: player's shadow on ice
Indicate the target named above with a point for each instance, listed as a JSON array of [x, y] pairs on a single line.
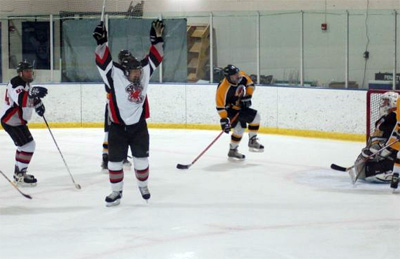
[[19, 210], [231, 165]]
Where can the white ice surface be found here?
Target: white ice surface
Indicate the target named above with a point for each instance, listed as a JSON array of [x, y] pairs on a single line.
[[284, 203]]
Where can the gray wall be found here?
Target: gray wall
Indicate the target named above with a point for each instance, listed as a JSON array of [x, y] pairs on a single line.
[[235, 35], [8, 7]]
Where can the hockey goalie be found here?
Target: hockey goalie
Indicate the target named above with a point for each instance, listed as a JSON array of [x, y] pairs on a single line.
[[378, 169]]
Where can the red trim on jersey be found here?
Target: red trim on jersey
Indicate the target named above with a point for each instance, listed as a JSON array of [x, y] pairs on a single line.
[[25, 99], [156, 54], [101, 61], [146, 108], [113, 111], [13, 111], [23, 122]]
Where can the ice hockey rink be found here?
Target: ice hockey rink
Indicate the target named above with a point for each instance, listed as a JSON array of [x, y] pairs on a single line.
[[284, 203]]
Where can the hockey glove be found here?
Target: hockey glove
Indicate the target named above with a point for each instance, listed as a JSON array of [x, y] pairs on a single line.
[[367, 152], [100, 33], [396, 133], [246, 101], [225, 125], [156, 31], [39, 107], [37, 92]]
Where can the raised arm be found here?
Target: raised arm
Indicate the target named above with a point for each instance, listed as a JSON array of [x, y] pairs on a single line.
[[103, 56], [156, 52]]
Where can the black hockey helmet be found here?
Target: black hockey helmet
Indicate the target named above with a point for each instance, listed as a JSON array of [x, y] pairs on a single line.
[[230, 70], [24, 65], [130, 62], [123, 54]]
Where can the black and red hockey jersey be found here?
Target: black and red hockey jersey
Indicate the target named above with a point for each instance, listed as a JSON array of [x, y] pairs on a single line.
[[128, 101]]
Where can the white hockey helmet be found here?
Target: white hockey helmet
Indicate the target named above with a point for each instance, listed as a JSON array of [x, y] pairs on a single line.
[[388, 101]]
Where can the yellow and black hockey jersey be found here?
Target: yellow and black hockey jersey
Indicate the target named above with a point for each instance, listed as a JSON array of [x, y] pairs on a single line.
[[227, 96]]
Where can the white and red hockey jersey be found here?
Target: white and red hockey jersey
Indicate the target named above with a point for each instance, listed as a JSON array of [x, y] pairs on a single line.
[[17, 106], [128, 101]]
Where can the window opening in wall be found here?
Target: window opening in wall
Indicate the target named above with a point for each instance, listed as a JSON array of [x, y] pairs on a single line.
[[36, 43]]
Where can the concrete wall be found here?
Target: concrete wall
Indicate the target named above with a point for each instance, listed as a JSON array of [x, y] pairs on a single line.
[[304, 109]]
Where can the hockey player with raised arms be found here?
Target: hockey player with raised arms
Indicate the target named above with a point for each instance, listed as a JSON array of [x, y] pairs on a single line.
[[104, 164], [379, 168], [233, 97], [21, 99], [127, 84]]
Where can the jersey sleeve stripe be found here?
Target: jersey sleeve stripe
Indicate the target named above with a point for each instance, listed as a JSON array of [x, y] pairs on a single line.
[[22, 99], [155, 55], [104, 60], [25, 99], [146, 108], [152, 67], [113, 110]]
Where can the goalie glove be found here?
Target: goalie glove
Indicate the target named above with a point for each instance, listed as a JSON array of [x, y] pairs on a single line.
[[396, 132], [156, 31], [225, 125], [100, 34], [369, 151]]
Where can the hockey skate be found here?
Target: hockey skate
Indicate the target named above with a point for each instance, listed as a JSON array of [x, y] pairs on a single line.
[[395, 181], [145, 192], [234, 154], [104, 163], [254, 146], [114, 199], [21, 178]]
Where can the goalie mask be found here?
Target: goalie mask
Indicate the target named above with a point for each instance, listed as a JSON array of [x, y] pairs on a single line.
[[387, 102], [132, 68], [232, 74], [25, 71]]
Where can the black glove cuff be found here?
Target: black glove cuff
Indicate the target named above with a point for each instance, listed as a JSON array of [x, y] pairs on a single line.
[[102, 41], [155, 40]]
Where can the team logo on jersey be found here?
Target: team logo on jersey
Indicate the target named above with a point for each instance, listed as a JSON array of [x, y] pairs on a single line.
[[135, 93], [240, 91]]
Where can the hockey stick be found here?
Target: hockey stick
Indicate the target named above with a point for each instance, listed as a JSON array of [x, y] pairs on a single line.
[[346, 169], [77, 186], [103, 11], [16, 187], [181, 166]]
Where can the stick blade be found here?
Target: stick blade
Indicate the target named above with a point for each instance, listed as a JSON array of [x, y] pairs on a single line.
[[180, 166], [27, 196], [338, 168]]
